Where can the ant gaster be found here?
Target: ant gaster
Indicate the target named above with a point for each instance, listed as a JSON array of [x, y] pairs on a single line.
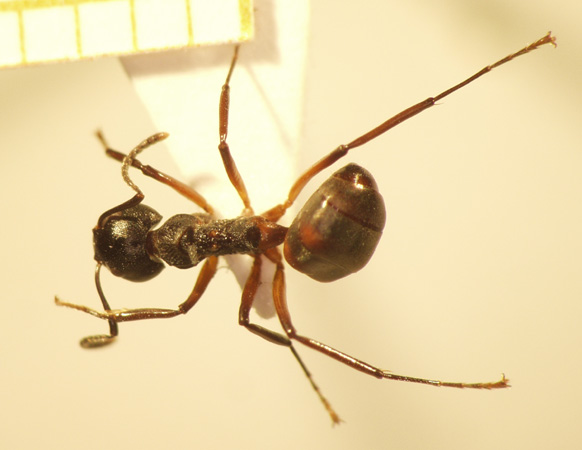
[[333, 235]]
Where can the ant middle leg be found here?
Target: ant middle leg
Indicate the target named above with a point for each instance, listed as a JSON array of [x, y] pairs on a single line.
[[229, 165], [248, 297], [227, 159], [285, 318]]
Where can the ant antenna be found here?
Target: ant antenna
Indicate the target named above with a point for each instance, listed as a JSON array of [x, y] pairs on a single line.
[[129, 158], [128, 161]]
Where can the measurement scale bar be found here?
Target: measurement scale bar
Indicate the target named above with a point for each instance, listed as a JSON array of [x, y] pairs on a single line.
[[33, 32]]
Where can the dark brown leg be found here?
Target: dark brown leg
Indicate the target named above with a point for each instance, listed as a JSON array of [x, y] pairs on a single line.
[[127, 315], [229, 164], [285, 318], [152, 172], [248, 297], [99, 340], [275, 213]]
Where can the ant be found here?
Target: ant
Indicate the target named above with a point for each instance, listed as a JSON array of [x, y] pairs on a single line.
[[334, 234]]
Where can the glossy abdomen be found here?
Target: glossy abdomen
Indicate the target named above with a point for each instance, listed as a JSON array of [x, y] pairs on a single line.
[[337, 230]]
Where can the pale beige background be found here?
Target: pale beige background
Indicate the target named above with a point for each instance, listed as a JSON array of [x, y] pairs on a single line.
[[478, 271]]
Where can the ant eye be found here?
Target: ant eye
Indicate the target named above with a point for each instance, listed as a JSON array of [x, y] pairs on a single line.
[[120, 244]]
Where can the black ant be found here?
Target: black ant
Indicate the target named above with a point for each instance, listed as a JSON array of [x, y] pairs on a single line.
[[333, 235]]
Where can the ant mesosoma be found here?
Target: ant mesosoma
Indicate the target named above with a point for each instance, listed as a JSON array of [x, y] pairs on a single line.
[[333, 235]]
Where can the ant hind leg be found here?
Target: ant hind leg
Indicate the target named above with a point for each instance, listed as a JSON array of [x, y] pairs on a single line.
[[285, 318]]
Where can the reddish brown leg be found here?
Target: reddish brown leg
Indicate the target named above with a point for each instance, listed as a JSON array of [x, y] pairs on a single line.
[[127, 315], [152, 172], [276, 212], [285, 318], [229, 164], [248, 297]]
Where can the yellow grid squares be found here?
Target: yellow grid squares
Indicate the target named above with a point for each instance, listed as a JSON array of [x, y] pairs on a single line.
[[53, 30]]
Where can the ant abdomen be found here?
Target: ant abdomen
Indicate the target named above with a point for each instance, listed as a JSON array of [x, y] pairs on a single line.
[[336, 232]]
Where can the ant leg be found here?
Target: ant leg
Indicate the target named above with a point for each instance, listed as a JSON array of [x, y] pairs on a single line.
[[227, 159], [248, 297], [285, 318], [276, 212], [229, 164], [127, 315], [157, 175], [100, 340]]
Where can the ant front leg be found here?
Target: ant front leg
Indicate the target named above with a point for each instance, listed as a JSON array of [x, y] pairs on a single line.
[[114, 316], [100, 340], [181, 188], [280, 300]]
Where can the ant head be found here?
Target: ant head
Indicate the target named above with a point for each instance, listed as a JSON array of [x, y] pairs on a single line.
[[120, 241]]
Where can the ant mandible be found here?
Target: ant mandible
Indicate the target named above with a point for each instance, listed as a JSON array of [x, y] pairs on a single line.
[[334, 235]]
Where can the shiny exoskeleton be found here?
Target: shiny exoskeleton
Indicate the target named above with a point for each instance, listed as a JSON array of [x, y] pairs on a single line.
[[129, 246], [333, 235], [337, 230]]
